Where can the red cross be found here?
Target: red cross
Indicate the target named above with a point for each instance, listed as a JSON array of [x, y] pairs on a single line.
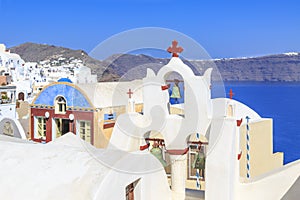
[[174, 49], [129, 93], [231, 94]]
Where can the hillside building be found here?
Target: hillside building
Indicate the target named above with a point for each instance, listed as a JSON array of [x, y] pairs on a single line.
[[89, 110]]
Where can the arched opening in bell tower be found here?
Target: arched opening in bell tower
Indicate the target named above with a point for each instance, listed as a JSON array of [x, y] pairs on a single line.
[[176, 92]]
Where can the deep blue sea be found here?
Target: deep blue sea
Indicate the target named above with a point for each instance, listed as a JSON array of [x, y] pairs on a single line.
[[280, 101]]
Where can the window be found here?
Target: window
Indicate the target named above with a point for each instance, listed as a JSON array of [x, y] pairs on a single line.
[[109, 120], [110, 116], [85, 130], [40, 132], [6, 97], [60, 105]]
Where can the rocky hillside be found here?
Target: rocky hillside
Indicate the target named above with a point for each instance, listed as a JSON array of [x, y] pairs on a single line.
[[280, 68], [31, 52]]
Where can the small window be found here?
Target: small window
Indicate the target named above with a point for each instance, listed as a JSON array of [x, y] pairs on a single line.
[[110, 116], [85, 130], [109, 120], [6, 98], [60, 105]]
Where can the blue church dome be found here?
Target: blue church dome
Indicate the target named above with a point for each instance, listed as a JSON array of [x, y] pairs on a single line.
[[64, 80]]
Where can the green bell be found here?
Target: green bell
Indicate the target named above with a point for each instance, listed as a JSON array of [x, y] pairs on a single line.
[[157, 152], [175, 92], [199, 162]]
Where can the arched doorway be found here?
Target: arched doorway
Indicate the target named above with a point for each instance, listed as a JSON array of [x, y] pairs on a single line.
[[21, 96]]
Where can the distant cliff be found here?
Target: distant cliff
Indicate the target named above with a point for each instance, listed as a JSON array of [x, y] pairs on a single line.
[[276, 68], [281, 67]]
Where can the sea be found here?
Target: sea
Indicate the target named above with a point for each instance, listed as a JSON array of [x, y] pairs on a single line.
[[280, 101]]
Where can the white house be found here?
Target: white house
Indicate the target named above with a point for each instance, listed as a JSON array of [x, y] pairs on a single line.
[[10, 63], [83, 75]]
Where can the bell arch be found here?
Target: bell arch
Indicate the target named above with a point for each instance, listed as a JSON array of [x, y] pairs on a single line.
[[155, 142], [196, 158], [176, 87]]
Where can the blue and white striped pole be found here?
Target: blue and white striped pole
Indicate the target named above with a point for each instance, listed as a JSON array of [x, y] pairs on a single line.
[[198, 186], [248, 146]]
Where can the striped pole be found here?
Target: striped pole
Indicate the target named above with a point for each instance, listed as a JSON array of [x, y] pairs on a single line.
[[198, 186], [248, 146]]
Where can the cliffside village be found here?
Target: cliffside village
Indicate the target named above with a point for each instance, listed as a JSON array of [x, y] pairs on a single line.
[[193, 141]]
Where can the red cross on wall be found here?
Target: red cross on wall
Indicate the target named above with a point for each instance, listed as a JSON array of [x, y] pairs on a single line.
[[130, 93], [174, 49], [231, 94]]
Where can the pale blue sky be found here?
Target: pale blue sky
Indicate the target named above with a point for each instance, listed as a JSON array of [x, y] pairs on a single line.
[[223, 28]]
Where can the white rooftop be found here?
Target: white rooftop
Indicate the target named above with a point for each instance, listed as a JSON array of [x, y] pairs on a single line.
[[72, 169], [108, 94]]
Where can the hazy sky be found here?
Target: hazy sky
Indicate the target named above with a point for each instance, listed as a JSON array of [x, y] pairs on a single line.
[[224, 28]]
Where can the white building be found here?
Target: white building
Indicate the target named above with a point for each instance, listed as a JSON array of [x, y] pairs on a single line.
[[83, 75], [10, 63]]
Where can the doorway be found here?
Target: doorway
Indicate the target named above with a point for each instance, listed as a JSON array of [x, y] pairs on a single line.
[[21, 96], [62, 126]]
